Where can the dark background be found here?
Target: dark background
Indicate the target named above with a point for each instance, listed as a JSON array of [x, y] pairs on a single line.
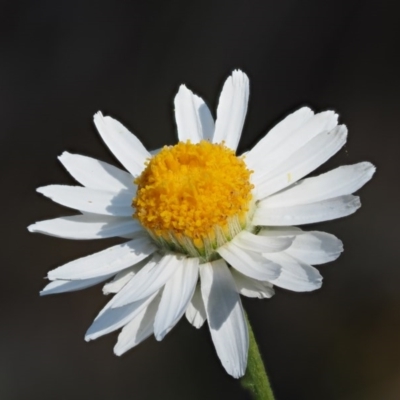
[[61, 61]]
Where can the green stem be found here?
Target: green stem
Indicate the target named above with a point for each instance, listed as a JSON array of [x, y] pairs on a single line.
[[256, 380]]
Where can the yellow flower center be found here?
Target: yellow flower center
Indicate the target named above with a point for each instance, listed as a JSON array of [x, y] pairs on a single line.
[[194, 197]]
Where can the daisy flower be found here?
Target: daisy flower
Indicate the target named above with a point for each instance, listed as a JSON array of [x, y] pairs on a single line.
[[202, 224]]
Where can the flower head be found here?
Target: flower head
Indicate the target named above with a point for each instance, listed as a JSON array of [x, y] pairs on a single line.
[[193, 198], [203, 224]]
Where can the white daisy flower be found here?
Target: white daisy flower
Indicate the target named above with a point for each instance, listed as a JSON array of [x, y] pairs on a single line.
[[203, 225]]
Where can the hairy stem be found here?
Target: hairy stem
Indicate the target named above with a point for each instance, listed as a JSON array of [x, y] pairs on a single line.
[[256, 380]]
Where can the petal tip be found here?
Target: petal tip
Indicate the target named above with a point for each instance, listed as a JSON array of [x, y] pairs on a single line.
[[31, 228], [87, 338], [160, 336], [239, 74], [370, 169], [183, 88], [236, 373], [97, 115], [46, 190], [64, 155], [118, 351], [356, 202], [341, 129]]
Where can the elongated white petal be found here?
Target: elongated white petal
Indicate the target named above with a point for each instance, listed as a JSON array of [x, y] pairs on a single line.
[[139, 329], [109, 261], [193, 117], [301, 163], [96, 174], [110, 319], [176, 296], [309, 247], [262, 244], [295, 275], [225, 317], [251, 287], [87, 226], [149, 279], [126, 147], [62, 286], [90, 200], [276, 136], [338, 182], [282, 151], [195, 312], [249, 263], [232, 109], [325, 210], [123, 277], [315, 248]]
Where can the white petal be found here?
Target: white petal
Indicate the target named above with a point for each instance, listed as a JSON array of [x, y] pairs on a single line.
[[123, 277], [225, 317], [338, 182], [111, 319], [302, 162], [176, 296], [139, 329], [126, 147], [90, 200], [193, 117], [61, 286], [307, 213], [109, 261], [262, 244], [232, 109], [266, 162], [309, 247], [315, 248], [149, 279], [252, 288], [195, 312], [277, 135], [96, 174], [249, 263], [88, 226], [295, 275]]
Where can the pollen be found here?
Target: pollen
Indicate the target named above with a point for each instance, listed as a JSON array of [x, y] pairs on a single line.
[[192, 194]]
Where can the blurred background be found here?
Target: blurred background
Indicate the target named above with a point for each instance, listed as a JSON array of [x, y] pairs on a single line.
[[61, 61]]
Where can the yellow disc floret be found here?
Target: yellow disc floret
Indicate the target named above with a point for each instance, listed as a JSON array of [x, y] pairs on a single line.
[[189, 194]]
